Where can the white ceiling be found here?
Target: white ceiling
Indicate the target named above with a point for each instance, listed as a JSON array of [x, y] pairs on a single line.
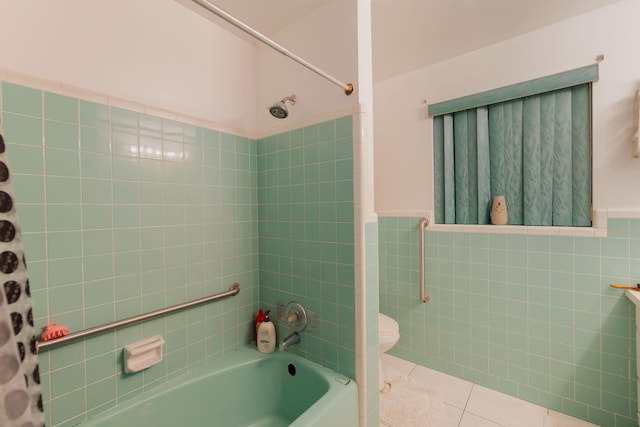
[[411, 34]]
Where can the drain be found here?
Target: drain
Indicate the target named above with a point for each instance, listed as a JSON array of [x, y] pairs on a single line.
[[292, 369]]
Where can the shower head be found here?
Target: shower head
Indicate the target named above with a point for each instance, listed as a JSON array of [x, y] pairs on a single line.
[[279, 109]]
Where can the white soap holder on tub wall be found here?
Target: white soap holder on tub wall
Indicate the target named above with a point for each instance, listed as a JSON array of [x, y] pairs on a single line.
[[143, 354]]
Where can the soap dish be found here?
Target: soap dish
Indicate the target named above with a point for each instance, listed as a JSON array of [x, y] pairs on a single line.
[[143, 354]]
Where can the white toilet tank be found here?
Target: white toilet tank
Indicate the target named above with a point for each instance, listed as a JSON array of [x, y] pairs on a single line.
[[388, 333]]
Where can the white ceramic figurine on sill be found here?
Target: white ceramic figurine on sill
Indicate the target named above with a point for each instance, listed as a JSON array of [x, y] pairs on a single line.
[[499, 214]]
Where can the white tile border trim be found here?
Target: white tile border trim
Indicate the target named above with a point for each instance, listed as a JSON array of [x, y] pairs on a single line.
[[623, 213], [384, 213], [515, 229], [360, 266], [598, 229], [338, 113], [371, 217], [60, 88]]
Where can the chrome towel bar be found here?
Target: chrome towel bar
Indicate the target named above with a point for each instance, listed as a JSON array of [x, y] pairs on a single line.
[[424, 223], [233, 290]]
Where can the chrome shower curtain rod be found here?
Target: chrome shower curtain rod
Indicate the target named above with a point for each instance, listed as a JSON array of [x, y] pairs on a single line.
[[348, 87]]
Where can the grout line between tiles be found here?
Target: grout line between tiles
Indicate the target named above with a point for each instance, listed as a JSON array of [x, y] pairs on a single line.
[[412, 369], [466, 403]]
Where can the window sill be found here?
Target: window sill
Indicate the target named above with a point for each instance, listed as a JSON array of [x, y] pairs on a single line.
[[598, 228]]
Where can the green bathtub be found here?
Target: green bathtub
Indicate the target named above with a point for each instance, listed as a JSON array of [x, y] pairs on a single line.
[[244, 388]]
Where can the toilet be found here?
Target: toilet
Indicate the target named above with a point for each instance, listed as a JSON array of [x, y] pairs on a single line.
[[388, 336]]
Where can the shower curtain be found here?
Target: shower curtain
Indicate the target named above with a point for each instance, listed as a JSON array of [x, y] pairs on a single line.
[[20, 397]]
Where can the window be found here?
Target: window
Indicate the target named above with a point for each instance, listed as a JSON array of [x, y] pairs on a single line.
[[530, 143]]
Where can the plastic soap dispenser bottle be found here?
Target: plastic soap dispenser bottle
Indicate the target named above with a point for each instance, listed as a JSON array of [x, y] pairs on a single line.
[[266, 335]]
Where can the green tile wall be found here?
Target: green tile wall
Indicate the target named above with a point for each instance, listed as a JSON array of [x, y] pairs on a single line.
[[530, 316], [123, 213], [306, 229]]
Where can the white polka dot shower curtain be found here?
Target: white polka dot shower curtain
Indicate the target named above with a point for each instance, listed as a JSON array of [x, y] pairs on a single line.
[[20, 397]]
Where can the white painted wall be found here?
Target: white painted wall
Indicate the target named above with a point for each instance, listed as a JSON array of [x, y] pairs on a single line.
[[403, 132], [328, 39], [154, 52], [365, 95], [159, 53]]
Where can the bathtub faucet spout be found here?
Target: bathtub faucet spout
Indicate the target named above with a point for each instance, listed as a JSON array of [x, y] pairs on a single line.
[[292, 339]]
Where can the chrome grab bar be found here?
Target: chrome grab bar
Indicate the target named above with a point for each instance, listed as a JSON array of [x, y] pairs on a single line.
[[234, 289], [424, 223]]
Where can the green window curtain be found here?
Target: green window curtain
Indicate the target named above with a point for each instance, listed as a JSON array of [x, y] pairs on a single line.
[[438, 167], [505, 146], [535, 151], [581, 154], [484, 163], [449, 167], [466, 166]]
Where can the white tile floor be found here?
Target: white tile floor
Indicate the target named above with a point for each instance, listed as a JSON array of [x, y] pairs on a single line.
[[470, 405]]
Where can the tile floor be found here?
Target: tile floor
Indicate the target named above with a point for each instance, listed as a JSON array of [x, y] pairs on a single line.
[[470, 405]]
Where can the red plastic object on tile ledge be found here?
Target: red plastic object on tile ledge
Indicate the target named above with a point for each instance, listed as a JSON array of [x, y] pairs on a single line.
[[51, 332], [259, 319]]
